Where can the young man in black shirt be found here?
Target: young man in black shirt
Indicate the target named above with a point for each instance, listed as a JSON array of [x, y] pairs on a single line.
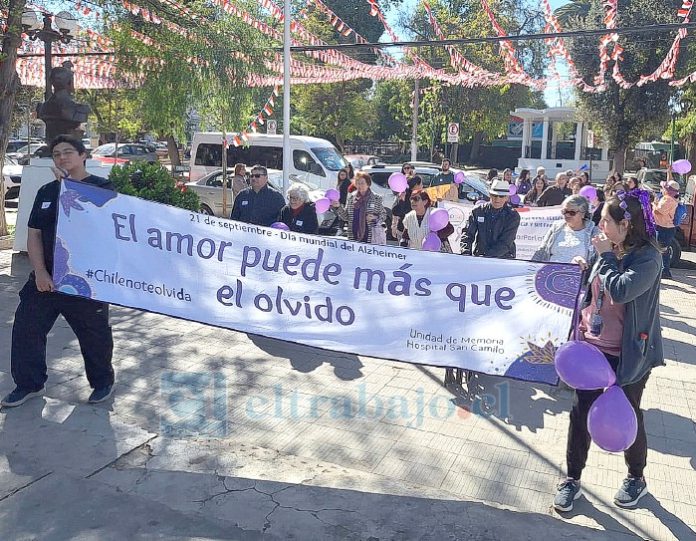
[[40, 304]]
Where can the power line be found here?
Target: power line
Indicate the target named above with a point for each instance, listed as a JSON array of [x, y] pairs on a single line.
[[496, 39]]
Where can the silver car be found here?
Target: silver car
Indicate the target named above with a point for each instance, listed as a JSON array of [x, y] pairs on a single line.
[[209, 191], [126, 151]]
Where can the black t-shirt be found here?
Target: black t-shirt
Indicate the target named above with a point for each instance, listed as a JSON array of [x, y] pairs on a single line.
[[44, 213]]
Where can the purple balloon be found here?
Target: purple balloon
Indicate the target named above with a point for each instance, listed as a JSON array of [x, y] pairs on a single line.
[[432, 243], [681, 166], [612, 421], [513, 189], [438, 219], [583, 366], [332, 195], [322, 205], [459, 177], [515, 199], [398, 182], [588, 192], [280, 225]]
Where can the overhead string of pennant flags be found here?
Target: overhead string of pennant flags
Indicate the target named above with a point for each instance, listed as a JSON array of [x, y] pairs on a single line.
[[330, 65]]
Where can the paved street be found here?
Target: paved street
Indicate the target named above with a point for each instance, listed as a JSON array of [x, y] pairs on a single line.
[[214, 434]]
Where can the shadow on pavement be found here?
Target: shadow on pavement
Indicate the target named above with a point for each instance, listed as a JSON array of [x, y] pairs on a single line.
[[520, 404], [671, 434], [305, 359], [672, 522]]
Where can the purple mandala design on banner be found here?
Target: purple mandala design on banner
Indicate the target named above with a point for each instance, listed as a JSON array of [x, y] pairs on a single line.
[[60, 261], [558, 284], [65, 281], [75, 285]]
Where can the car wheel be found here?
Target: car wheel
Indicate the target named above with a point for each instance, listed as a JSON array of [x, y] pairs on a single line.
[[205, 209], [675, 253]]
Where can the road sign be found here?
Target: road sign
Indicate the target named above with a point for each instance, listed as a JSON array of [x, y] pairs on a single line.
[[271, 127], [453, 132]]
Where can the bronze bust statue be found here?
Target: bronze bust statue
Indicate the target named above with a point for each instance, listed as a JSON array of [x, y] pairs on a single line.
[[61, 114]]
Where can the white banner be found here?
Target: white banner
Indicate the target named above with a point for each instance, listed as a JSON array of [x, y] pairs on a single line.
[[494, 316], [534, 224]]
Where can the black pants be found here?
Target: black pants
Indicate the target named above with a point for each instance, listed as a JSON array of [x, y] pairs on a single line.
[[35, 316], [665, 235], [579, 437]]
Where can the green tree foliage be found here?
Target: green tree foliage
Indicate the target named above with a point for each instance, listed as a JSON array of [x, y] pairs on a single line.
[[345, 110], [204, 65], [626, 115], [482, 112], [9, 83], [152, 182]]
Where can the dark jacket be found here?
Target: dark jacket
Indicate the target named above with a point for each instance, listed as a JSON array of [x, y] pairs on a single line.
[[490, 232], [553, 195], [260, 208], [634, 282], [305, 222]]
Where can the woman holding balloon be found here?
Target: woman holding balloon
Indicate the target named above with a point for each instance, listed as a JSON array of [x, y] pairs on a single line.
[[618, 343], [363, 211], [402, 205], [426, 228]]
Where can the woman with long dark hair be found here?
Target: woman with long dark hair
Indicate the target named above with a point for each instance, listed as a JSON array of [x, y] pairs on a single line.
[[620, 316]]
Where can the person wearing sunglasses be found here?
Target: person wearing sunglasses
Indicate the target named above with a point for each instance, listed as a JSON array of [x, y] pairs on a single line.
[[260, 204], [492, 227], [408, 170], [402, 205], [571, 237], [416, 226]]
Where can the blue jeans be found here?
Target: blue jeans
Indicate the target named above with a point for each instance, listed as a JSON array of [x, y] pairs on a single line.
[[665, 235]]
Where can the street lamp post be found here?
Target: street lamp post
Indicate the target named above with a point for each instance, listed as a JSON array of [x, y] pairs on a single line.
[[36, 28]]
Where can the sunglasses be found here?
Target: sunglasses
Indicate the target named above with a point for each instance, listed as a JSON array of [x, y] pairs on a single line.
[[496, 196], [414, 199], [257, 175], [566, 212], [408, 168]]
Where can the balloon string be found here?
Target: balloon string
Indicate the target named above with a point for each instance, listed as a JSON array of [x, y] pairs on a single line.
[[576, 319]]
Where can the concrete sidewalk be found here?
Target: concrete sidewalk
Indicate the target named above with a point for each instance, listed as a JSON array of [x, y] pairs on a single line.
[[214, 434]]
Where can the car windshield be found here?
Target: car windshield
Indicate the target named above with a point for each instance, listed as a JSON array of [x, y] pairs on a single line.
[[330, 158], [104, 149], [9, 160]]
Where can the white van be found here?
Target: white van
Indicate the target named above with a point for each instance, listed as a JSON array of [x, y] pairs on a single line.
[[315, 162]]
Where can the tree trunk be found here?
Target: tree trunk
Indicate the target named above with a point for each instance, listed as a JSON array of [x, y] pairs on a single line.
[[620, 159], [476, 147], [9, 83], [173, 151]]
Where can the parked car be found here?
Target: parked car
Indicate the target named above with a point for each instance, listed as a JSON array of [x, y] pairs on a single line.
[[358, 161], [32, 150], [127, 152], [651, 179], [13, 145], [12, 178]]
